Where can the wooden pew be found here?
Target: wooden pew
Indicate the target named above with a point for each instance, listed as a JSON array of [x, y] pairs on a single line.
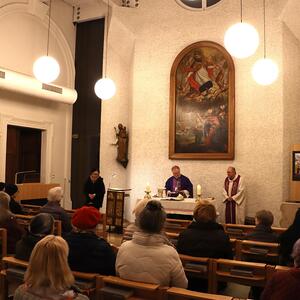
[[176, 225], [3, 243], [245, 273], [24, 221], [13, 275], [271, 270], [182, 294], [198, 267], [257, 251], [114, 288], [238, 231]]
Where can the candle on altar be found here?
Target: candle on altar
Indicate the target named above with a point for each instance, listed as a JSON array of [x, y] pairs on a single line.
[[148, 189], [198, 190]]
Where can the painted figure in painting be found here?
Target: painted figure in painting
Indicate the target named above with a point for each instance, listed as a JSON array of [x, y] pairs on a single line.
[[202, 84], [122, 143]]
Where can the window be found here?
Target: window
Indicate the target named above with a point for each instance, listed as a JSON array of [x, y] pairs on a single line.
[[197, 4]]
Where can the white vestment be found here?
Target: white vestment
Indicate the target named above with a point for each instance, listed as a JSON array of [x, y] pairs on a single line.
[[239, 198]]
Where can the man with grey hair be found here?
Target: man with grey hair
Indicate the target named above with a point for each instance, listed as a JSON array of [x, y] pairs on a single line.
[[54, 208], [263, 231], [285, 284], [234, 197]]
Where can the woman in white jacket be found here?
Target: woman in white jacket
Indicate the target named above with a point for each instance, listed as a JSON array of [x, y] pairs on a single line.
[[147, 258]]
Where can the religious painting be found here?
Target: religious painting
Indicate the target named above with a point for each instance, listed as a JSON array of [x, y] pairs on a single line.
[[296, 165], [202, 103]]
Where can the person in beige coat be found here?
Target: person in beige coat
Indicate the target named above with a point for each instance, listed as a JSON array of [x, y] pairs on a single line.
[[146, 258]]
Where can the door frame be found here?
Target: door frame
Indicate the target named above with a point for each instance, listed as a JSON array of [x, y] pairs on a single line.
[[46, 143]]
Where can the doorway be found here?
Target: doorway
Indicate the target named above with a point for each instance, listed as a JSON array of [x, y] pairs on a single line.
[[23, 154]]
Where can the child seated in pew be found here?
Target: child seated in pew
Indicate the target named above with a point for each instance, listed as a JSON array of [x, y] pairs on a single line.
[[14, 206], [146, 258], [40, 226], [88, 252], [48, 275], [54, 208], [285, 285], [10, 223], [263, 230], [204, 237]]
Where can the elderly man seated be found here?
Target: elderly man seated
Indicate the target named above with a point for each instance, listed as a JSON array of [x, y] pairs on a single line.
[[53, 208]]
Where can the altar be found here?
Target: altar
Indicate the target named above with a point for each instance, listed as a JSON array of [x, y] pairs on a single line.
[[181, 207]]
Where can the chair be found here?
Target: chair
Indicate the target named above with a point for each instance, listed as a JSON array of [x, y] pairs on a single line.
[[182, 294], [24, 221], [198, 267], [3, 243], [13, 276], [245, 273], [176, 225], [257, 251], [113, 288]]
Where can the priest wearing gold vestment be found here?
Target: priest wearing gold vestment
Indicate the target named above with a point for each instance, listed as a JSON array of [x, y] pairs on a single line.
[[234, 197]]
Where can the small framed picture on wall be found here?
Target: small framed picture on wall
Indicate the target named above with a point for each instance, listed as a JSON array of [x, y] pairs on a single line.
[[296, 165]]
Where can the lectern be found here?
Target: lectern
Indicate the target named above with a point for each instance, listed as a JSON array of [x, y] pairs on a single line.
[[115, 208]]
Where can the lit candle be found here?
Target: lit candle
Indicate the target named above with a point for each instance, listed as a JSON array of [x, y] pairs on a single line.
[[198, 190], [148, 189]]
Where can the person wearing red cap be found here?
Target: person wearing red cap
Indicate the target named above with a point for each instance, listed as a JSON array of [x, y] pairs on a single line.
[[88, 252]]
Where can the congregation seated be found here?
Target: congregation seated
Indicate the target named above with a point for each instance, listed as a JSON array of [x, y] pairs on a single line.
[[9, 222], [40, 226], [146, 258], [48, 275], [14, 206], [287, 240], [285, 285], [88, 252], [263, 231], [54, 208]]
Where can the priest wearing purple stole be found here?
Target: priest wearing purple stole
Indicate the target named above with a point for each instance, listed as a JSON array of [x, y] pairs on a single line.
[[234, 197], [179, 184]]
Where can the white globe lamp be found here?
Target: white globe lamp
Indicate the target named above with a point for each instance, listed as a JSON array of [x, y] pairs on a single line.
[[46, 69], [241, 40], [265, 71], [105, 88]]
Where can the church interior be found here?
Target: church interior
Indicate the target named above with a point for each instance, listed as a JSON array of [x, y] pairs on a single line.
[[157, 131]]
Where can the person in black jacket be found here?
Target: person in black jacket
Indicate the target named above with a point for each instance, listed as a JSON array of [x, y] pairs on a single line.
[[204, 237], [14, 206], [263, 231], [40, 226], [88, 252], [287, 240], [94, 189]]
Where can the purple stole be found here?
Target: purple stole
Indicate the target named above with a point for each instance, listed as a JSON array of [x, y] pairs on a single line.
[[230, 212]]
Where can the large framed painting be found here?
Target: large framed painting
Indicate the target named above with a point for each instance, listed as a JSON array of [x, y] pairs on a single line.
[[202, 103], [296, 166]]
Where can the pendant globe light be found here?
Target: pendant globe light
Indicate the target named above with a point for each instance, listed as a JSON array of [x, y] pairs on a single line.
[[105, 88], [241, 39], [265, 70], [46, 69]]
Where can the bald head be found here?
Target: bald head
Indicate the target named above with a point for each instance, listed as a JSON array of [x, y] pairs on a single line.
[[176, 171], [231, 172]]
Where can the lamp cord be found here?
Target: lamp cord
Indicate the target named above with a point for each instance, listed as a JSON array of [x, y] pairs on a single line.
[[106, 39], [48, 37], [241, 11], [265, 51]]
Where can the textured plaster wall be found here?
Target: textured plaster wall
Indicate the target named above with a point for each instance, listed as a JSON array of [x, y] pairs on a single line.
[[162, 29]]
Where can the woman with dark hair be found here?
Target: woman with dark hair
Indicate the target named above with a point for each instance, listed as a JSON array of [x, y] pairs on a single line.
[[14, 206], [287, 240], [40, 226], [94, 189], [147, 258]]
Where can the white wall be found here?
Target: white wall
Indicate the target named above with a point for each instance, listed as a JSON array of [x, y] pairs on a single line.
[[162, 29], [23, 39]]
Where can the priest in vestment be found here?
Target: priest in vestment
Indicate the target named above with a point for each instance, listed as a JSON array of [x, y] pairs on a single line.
[[234, 197], [179, 184]]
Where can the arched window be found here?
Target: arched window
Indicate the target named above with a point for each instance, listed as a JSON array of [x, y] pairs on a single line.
[[197, 4]]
